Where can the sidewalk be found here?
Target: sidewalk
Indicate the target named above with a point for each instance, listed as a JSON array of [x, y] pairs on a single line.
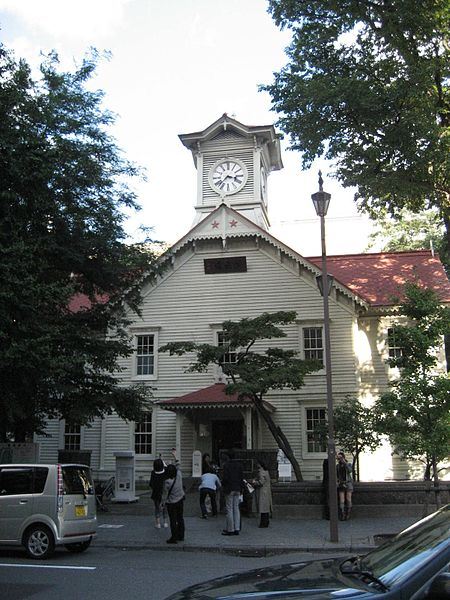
[[132, 526]]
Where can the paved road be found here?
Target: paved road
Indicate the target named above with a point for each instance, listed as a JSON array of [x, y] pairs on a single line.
[[111, 573]]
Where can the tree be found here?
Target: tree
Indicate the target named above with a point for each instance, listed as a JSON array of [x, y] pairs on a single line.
[[64, 264], [415, 413], [366, 85], [354, 430], [409, 231], [253, 374]]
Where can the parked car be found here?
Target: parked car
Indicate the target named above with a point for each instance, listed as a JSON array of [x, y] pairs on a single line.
[[413, 565], [43, 506]]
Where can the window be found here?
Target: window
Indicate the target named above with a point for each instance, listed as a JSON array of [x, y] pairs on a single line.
[[229, 357], [77, 480], [315, 419], [233, 264], [145, 354], [16, 480], [143, 435], [72, 437], [313, 343], [395, 351], [40, 477]]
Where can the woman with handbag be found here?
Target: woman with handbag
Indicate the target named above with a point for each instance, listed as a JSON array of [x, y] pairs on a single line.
[[344, 485], [174, 500], [263, 493]]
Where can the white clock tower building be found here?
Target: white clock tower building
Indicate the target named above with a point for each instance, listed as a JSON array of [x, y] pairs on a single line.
[[233, 162]]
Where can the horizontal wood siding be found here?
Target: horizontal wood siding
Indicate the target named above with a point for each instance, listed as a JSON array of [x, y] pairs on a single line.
[[49, 443]]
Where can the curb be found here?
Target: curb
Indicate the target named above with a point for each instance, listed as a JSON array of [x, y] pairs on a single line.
[[246, 551]]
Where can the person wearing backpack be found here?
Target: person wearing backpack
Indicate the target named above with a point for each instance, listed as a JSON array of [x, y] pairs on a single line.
[[173, 496]]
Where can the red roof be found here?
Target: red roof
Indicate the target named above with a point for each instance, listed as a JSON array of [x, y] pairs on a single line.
[[82, 302], [209, 397], [378, 278]]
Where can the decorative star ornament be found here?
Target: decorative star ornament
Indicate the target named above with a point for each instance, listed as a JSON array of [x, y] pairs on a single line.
[[233, 223], [215, 224]]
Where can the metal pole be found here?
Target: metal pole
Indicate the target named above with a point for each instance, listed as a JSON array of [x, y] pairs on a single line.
[[331, 448]]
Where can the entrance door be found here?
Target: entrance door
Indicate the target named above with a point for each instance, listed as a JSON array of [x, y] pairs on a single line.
[[226, 435]]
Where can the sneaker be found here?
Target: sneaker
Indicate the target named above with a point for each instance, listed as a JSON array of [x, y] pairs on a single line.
[[204, 517], [225, 532], [158, 525], [166, 525], [171, 541]]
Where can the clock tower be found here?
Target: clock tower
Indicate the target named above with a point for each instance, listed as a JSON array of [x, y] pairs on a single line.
[[233, 162]]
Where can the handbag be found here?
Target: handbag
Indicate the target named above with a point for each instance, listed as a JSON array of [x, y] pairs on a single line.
[[250, 488]]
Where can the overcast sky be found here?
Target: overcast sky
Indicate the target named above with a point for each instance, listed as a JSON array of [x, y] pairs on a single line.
[[177, 66]]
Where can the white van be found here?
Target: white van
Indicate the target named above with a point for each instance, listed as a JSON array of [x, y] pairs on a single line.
[[43, 506]]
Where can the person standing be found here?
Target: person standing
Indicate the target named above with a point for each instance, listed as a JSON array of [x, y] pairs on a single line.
[[232, 485], [263, 493], [209, 485], [344, 486], [174, 500], [157, 479]]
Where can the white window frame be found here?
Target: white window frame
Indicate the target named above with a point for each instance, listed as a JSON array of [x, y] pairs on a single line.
[[232, 354], [139, 455], [397, 351], [306, 452], [62, 437], [140, 332], [312, 325]]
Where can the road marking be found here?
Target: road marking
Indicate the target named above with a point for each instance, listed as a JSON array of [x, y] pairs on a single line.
[[47, 567], [111, 526]]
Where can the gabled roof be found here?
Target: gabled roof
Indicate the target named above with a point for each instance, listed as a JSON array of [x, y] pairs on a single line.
[[265, 133], [378, 278], [213, 396], [225, 222]]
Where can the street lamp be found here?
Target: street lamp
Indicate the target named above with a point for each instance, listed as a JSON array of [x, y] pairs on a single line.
[[321, 201]]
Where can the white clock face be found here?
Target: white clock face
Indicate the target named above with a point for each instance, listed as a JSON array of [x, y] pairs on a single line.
[[228, 176]]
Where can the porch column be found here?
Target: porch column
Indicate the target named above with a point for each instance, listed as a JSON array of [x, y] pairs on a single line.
[[248, 427], [179, 421]]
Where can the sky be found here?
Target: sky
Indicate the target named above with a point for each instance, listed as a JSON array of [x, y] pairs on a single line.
[[176, 67]]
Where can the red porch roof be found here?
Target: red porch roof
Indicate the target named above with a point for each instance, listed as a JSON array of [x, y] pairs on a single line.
[[379, 277], [213, 396]]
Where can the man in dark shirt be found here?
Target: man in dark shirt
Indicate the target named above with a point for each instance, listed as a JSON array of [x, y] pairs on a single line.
[[232, 485]]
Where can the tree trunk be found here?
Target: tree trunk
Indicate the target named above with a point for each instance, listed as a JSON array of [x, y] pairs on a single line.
[[436, 484], [427, 479], [278, 436]]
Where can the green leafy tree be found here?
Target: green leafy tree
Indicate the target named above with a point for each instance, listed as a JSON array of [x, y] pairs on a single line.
[[409, 231], [253, 374], [415, 413], [64, 264], [366, 85], [354, 430]]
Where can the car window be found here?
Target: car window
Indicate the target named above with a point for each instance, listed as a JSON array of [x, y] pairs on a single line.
[[394, 561], [16, 480], [77, 480], [40, 477]]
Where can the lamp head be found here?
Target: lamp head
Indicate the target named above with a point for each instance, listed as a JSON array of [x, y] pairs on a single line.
[[321, 199]]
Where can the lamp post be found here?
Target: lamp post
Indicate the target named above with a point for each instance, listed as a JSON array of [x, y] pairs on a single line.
[[321, 202]]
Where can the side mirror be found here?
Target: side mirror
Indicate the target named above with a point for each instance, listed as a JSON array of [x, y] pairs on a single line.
[[440, 587]]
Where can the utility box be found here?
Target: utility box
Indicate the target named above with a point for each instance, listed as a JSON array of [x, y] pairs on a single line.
[[125, 474]]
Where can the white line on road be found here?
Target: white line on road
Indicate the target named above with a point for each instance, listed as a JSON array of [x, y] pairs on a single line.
[[47, 567]]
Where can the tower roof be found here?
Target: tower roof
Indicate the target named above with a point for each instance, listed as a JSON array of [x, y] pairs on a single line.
[[264, 133]]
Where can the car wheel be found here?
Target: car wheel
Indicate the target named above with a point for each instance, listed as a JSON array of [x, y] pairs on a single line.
[[78, 547], [39, 542]]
